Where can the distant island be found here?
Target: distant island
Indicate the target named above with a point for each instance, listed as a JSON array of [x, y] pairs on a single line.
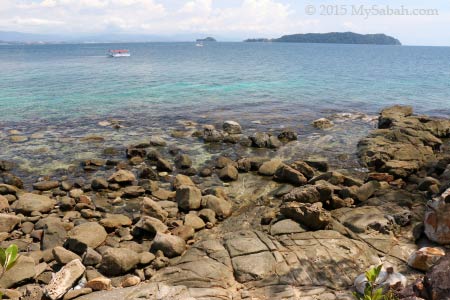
[[333, 38], [208, 39]]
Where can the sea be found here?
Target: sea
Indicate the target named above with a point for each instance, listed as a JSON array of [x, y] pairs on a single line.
[[57, 98]]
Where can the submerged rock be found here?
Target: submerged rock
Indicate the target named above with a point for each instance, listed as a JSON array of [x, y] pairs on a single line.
[[322, 123], [232, 127]]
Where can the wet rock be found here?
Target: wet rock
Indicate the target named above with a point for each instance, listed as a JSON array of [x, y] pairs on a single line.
[[287, 135], [151, 225], [29, 203], [305, 194], [135, 152], [183, 161], [424, 258], [8, 222], [99, 183], [118, 261], [114, 221], [211, 135], [18, 138], [157, 141], [232, 127], [303, 168], [274, 142], [223, 161], [46, 185], [188, 197], [312, 216], [260, 140], [64, 256], [228, 173], [6, 166], [163, 165], [269, 168], [153, 209], [122, 177], [205, 172], [64, 280], [221, 207], [11, 179], [22, 270], [287, 174], [319, 164], [170, 245], [427, 182], [148, 173], [322, 123], [89, 234]]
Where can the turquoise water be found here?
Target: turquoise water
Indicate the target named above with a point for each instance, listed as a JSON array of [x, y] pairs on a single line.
[[59, 93]]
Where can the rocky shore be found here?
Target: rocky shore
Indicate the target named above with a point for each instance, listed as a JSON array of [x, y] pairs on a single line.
[[149, 224]]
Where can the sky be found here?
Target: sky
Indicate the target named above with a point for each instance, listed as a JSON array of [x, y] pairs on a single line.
[[231, 19]]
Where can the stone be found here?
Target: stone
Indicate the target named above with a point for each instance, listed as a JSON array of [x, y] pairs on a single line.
[[76, 193], [232, 127], [184, 232], [194, 221], [254, 266], [303, 168], [228, 173], [437, 221], [8, 189], [287, 135], [223, 161], [72, 294], [130, 280], [65, 279], [170, 245], [287, 174], [54, 234], [29, 203], [146, 257], [436, 281], [260, 139], [122, 177], [322, 123], [89, 234], [64, 256], [151, 208], [188, 197], [183, 161], [208, 215], [46, 185], [91, 257], [424, 258], [148, 173], [8, 222], [114, 221], [221, 207], [320, 164], [163, 165], [117, 261], [286, 226], [151, 225], [367, 190], [386, 279], [304, 194], [269, 168], [4, 204], [211, 135], [157, 141], [133, 191], [313, 216], [99, 183], [23, 269], [180, 180], [274, 142], [18, 138], [99, 284]]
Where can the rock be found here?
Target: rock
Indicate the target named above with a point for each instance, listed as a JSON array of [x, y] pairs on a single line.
[[72, 294], [211, 135], [170, 245], [8, 189], [163, 165], [436, 281], [312, 216], [208, 215], [153, 209], [157, 141], [12, 180], [46, 185], [194, 221], [130, 280], [287, 174], [189, 197], [148, 173], [91, 257], [18, 138], [320, 164], [99, 284], [287, 135], [99, 183], [184, 232], [64, 256], [274, 142], [146, 257], [54, 234], [8, 222], [366, 191], [23, 269], [364, 218], [260, 140], [151, 225], [303, 168], [270, 167], [76, 193], [437, 221], [386, 279], [286, 226], [232, 127], [89, 234], [65, 279], [163, 194], [133, 191], [29, 203], [426, 182], [122, 177], [118, 261], [228, 173], [305, 194], [322, 123], [114, 221], [221, 207], [424, 258], [183, 161], [180, 180], [223, 161]]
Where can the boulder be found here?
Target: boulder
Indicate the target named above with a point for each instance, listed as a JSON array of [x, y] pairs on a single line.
[[54, 234], [180, 180], [287, 174], [188, 197], [151, 225], [8, 189], [89, 234], [133, 191], [46, 185], [304, 194], [183, 161], [221, 207], [29, 203], [312, 216], [260, 140], [8, 222], [163, 165], [151, 208], [437, 281], [117, 261], [99, 284], [65, 279], [64, 256], [232, 127], [322, 123], [269, 168], [157, 141], [228, 173], [114, 221], [122, 177], [303, 168], [211, 135], [437, 221], [91, 257], [425, 258], [23, 269], [287, 135], [194, 221], [170, 245]]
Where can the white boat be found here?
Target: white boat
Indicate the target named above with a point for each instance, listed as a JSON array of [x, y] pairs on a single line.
[[119, 53], [199, 44]]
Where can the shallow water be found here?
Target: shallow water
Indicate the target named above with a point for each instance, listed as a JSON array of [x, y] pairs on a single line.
[[55, 95]]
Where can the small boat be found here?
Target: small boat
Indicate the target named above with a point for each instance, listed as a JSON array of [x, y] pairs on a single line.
[[199, 44], [119, 53]]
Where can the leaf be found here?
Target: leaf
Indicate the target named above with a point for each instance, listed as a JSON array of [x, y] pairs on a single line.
[[2, 257], [11, 256]]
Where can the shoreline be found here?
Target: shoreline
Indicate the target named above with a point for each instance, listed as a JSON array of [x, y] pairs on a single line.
[[253, 219]]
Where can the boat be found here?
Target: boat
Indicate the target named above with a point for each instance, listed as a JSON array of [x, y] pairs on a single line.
[[119, 53], [199, 44]]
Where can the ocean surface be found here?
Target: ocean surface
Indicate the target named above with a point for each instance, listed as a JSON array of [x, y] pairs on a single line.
[[56, 95]]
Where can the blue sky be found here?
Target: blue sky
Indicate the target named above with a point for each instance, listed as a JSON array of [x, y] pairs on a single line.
[[229, 19]]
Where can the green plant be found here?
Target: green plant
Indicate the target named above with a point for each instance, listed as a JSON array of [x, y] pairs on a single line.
[[372, 290], [8, 257]]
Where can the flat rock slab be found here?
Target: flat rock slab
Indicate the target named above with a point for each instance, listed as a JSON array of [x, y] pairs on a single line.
[[29, 202]]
